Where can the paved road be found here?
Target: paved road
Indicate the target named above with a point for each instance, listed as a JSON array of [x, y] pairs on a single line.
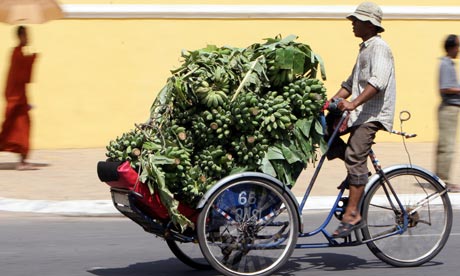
[[79, 246]]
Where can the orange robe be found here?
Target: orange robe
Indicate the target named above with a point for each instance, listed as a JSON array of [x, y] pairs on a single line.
[[16, 127]]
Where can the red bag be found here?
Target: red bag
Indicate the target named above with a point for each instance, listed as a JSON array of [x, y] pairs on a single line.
[[127, 177], [150, 204]]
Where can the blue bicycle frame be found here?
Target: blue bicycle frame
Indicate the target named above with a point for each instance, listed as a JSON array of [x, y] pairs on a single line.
[[336, 208]]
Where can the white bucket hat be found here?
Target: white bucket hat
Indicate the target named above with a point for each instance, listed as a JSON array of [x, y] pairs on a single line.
[[368, 11]]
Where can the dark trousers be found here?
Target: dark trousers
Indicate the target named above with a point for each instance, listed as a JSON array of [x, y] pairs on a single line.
[[355, 152]]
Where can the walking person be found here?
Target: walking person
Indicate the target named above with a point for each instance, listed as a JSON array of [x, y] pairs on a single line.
[[449, 90], [369, 96], [15, 133]]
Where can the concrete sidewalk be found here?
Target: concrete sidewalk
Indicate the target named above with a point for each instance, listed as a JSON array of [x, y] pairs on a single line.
[[68, 178]]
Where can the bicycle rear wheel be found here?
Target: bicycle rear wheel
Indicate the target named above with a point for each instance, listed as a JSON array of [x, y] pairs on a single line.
[[429, 219], [248, 227]]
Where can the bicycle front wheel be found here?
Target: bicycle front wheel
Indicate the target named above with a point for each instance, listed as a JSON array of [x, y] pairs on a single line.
[[248, 227], [428, 222]]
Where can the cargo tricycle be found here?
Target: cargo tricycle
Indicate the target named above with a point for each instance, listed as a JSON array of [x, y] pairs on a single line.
[[250, 223]]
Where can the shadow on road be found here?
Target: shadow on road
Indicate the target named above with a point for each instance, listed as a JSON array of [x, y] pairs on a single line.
[[295, 266], [327, 262], [335, 262], [168, 267], [13, 165]]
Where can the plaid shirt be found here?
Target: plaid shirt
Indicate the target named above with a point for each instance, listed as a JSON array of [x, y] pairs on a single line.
[[374, 66]]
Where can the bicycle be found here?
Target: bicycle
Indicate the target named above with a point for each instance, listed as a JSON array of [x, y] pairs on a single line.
[[249, 223]]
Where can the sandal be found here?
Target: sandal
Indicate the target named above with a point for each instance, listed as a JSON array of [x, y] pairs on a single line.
[[346, 228]]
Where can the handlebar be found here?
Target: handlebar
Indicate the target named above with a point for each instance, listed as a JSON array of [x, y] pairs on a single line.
[[404, 115], [405, 134]]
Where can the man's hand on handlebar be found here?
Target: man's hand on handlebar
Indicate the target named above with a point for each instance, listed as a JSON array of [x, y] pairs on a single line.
[[340, 105], [345, 105]]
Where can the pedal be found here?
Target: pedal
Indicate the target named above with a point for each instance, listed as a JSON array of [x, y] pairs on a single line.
[[340, 208]]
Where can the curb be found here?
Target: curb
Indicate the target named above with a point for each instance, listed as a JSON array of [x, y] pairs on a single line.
[[68, 207], [106, 208]]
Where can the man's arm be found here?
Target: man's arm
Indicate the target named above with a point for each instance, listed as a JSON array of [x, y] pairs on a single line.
[[368, 93], [342, 93]]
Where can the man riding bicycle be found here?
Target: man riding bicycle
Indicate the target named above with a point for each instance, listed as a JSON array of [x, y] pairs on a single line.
[[369, 96]]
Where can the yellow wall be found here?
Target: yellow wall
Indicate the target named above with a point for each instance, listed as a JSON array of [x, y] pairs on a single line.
[[95, 78]]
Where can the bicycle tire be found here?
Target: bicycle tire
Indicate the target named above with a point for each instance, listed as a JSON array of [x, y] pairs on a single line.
[[189, 253], [428, 228], [248, 227]]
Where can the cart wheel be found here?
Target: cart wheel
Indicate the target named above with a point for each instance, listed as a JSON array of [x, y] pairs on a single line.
[[189, 253], [248, 227]]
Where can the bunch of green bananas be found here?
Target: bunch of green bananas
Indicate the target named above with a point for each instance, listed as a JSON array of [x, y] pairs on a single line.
[[181, 135], [277, 75], [317, 96], [176, 172], [214, 161], [277, 115], [213, 91], [201, 132], [193, 186], [184, 117], [209, 97], [212, 126], [127, 147], [250, 149], [307, 96], [246, 111]]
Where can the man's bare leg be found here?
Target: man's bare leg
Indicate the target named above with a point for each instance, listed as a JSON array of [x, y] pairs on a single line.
[[352, 216]]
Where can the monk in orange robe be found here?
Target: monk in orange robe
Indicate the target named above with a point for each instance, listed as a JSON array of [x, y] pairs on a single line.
[[14, 136]]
